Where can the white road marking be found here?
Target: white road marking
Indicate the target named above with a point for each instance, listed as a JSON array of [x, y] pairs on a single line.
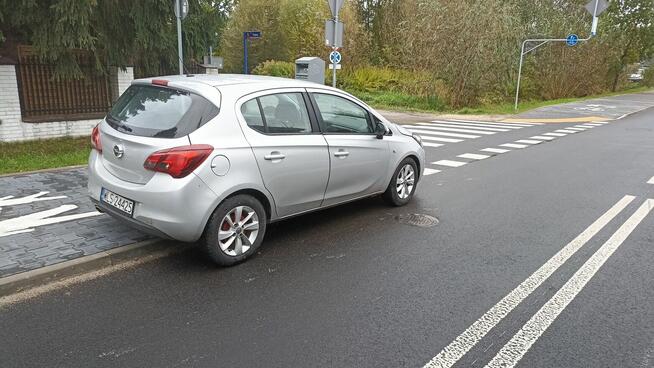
[[11, 201], [556, 134], [522, 341], [457, 135], [492, 125], [471, 126], [429, 144], [528, 141], [427, 171], [451, 129], [495, 150], [513, 145], [565, 131], [651, 181], [584, 126], [577, 129], [473, 156], [27, 223], [523, 125], [599, 123], [439, 139], [449, 163], [542, 137], [473, 334]]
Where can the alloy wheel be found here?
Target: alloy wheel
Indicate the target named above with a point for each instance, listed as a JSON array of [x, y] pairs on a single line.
[[405, 181], [238, 230]]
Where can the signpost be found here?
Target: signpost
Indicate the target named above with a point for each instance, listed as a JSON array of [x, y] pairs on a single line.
[[334, 36], [248, 36], [594, 7], [181, 11]]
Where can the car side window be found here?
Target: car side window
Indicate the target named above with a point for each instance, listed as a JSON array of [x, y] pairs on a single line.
[[340, 115], [252, 115], [279, 113]]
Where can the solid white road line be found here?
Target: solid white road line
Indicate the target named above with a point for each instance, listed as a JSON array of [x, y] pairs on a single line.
[[427, 171], [474, 124], [528, 141], [542, 137], [651, 181], [473, 156], [522, 341], [429, 132], [556, 134], [565, 131], [513, 145], [524, 125], [459, 129], [449, 163], [439, 139], [434, 145], [473, 334], [495, 150], [471, 126]]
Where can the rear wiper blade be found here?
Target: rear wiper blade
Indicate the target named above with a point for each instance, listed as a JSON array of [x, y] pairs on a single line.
[[117, 124]]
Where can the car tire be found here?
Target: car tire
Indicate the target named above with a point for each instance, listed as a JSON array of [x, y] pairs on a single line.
[[228, 241], [394, 195]]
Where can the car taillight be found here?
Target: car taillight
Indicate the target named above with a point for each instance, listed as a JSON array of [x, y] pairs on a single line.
[[95, 139], [178, 162]]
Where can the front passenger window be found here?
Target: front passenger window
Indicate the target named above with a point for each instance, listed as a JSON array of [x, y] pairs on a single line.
[[340, 115]]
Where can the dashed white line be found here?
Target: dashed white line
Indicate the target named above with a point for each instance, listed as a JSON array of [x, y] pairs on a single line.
[[457, 135], [542, 137], [522, 341], [427, 171], [565, 131], [556, 134], [449, 163], [651, 181], [473, 334], [495, 150], [513, 145], [434, 145], [473, 156], [528, 141]]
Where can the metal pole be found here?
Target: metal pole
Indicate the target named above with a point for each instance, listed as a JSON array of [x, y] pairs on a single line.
[[178, 6], [334, 49], [517, 90], [245, 53]]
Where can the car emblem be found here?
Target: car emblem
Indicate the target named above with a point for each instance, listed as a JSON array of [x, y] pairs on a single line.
[[118, 151]]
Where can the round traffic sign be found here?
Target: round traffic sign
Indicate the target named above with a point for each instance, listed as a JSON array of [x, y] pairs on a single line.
[[184, 8], [572, 40], [335, 57]]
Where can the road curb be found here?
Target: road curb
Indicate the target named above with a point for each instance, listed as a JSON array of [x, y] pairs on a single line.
[[41, 276]]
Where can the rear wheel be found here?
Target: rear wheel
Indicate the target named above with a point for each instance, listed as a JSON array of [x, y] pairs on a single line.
[[235, 230], [403, 183]]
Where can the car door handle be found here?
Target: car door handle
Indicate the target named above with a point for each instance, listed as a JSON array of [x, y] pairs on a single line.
[[274, 156], [341, 153]]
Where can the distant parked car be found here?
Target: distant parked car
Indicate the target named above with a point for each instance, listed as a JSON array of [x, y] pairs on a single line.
[[638, 76], [216, 158]]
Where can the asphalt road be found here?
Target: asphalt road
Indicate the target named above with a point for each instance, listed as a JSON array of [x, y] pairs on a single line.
[[353, 286]]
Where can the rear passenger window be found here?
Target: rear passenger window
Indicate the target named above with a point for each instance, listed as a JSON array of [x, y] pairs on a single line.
[[281, 113]]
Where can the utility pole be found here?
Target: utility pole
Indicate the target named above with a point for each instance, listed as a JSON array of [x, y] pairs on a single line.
[[181, 10]]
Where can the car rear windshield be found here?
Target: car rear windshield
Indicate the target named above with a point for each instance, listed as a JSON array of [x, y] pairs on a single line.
[[160, 112]]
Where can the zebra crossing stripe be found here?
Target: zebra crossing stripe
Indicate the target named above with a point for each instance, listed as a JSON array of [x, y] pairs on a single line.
[[528, 141], [513, 145], [456, 135], [542, 137], [476, 126], [473, 156], [449, 163], [495, 150]]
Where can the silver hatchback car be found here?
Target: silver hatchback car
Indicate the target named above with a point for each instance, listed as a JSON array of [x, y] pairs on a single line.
[[217, 157]]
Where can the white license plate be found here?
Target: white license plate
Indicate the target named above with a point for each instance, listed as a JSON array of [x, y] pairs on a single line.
[[119, 202]]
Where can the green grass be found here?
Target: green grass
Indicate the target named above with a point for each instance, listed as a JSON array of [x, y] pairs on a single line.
[[18, 157], [393, 100]]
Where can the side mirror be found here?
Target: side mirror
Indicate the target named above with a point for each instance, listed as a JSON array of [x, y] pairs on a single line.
[[380, 130]]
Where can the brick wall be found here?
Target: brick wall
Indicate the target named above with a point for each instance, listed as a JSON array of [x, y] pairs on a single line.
[[12, 128]]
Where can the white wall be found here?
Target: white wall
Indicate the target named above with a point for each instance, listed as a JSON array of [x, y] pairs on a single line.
[[12, 128]]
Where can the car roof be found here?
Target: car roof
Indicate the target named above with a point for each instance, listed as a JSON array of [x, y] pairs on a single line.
[[253, 82]]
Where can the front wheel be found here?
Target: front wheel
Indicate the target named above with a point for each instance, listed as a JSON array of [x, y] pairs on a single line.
[[235, 230], [403, 183]]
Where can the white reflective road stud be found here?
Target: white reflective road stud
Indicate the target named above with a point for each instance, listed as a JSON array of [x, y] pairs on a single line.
[[429, 132], [451, 129], [473, 334], [495, 150], [434, 145], [439, 139], [473, 156], [513, 145], [522, 341], [449, 163], [471, 126], [427, 171], [528, 141], [565, 131], [492, 125], [542, 137], [651, 181], [556, 134]]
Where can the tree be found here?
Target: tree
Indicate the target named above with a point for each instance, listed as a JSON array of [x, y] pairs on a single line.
[[117, 32]]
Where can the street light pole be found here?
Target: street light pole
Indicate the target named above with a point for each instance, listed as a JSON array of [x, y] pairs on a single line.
[[178, 6], [334, 49]]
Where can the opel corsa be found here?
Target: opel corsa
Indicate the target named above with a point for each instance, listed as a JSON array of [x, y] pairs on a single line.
[[215, 158]]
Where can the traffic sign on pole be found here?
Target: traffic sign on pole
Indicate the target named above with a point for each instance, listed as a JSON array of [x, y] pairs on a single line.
[[596, 7], [335, 57], [183, 12], [572, 40], [335, 6], [334, 37], [246, 37]]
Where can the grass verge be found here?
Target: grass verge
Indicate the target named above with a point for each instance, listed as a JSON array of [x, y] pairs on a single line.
[[18, 157]]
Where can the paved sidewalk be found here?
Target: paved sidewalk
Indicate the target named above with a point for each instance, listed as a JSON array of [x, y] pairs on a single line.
[[47, 218]]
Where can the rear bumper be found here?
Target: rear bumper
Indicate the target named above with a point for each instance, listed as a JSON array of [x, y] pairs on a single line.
[[164, 206]]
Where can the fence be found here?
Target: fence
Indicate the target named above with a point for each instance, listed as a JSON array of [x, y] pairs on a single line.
[[43, 97]]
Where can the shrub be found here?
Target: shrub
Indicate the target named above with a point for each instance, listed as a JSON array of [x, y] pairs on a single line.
[[275, 68], [648, 77]]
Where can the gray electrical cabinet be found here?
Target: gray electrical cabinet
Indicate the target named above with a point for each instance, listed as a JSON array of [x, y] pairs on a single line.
[[310, 68]]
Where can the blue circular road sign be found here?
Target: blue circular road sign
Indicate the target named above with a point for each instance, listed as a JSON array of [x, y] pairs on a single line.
[[572, 40], [335, 57]]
